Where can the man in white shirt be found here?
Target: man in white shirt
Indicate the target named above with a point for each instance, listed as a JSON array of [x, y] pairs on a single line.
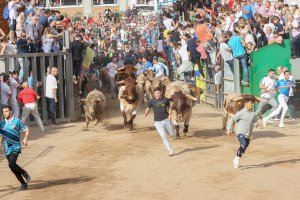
[[51, 94], [224, 53], [168, 22], [267, 86], [5, 90], [14, 90], [112, 70], [13, 13], [186, 64]]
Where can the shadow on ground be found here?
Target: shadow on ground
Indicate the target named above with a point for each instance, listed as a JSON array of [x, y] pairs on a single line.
[[196, 149], [269, 164], [39, 184], [267, 134], [208, 133]]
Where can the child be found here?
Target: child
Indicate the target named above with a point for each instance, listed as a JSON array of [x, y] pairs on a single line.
[[218, 79], [245, 120]]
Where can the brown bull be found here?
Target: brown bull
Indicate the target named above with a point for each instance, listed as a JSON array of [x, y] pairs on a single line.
[[232, 104], [94, 106], [182, 102], [130, 96]]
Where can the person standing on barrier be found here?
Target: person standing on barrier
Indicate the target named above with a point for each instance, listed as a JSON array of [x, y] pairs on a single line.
[[267, 86], [162, 123], [236, 45], [28, 97], [11, 129], [284, 86], [51, 94], [245, 120], [13, 13]]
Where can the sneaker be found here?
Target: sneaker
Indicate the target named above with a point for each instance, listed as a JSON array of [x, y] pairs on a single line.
[[281, 125], [293, 120], [171, 154], [27, 177], [236, 162], [265, 121], [23, 187], [276, 119]]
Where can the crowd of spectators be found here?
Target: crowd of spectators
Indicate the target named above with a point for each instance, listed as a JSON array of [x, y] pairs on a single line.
[[179, 41]]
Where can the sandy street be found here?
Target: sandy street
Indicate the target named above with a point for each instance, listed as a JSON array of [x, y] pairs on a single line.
[[111, 163]]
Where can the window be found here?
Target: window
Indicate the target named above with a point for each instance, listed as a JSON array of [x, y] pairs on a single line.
[[56, 3], [101, 2]]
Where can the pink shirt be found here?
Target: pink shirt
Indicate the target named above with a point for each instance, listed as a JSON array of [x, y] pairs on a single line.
[[266, 12], [296, 27]]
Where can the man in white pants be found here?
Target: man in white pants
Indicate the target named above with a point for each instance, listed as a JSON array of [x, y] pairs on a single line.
[[162, 122], [284, 86], [28, 98]]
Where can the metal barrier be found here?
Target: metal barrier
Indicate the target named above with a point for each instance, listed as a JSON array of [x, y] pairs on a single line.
[[35, 65]]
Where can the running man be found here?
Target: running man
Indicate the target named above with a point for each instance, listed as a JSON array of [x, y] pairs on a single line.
[[267, 86], [162, 123], [245, 120], [11, 129], [284, 86]]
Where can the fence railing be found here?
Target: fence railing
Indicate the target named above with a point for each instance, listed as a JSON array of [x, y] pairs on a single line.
[[34, 65]]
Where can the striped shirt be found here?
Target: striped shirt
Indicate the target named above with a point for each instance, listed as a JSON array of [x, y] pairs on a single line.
[[11, 131]]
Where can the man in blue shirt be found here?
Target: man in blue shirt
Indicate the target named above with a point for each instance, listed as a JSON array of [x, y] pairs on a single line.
[[238, 51], [11, 129], [283, 86], [247, 10]]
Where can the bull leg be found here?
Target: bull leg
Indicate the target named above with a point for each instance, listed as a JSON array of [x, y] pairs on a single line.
[[177, 135], [125, 119], [130, 122], [224, 121], [186, 129], [87, 123]]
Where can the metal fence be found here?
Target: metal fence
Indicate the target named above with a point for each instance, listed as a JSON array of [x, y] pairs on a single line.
[[35, 66]]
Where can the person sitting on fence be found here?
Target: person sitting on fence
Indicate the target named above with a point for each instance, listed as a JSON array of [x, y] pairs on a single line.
[[218, 82], [28, 97]]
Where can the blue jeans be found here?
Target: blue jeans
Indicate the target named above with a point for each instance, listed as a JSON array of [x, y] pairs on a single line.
[[51, 108], [243, 60], [244, 143]]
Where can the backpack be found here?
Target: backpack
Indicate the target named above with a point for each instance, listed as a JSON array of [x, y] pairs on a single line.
[[6, 12]]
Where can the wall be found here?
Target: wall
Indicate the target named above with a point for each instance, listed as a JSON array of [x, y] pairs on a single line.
[[268, 57], [70, 11]]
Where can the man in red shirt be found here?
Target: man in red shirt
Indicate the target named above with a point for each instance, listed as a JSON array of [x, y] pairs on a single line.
[[28, 98]]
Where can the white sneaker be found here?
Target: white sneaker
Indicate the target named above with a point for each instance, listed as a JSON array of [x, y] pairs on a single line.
[[236, 162], [281, 125], [264, 121]]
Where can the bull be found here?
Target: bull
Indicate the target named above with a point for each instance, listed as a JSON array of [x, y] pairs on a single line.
[[94, 106], [130, 97], [182, 102], [232, 104]]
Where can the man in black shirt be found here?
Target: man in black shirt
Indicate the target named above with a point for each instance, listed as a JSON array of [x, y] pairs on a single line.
[[77, 49], [162, 123]]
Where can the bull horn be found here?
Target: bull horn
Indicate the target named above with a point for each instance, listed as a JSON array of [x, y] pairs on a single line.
[[238, 99], [257, 99], [120, 82], [191, 97]]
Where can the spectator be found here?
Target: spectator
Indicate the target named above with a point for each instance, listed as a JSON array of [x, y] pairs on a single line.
[[13, 13], [23, 47], [238, 50], [28, 97], [112, 70], [77, 48], [51, 94], [14, 85], [2, 41], [32, 33], [20, 22], [5, 90]]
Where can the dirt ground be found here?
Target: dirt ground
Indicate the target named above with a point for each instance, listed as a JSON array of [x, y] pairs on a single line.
[[110, 163]]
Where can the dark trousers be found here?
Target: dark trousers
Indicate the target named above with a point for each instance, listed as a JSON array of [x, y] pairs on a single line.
[[296, 46], [51, 108], [16, 169], [292, 106], [76, 67], [244, 143]]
